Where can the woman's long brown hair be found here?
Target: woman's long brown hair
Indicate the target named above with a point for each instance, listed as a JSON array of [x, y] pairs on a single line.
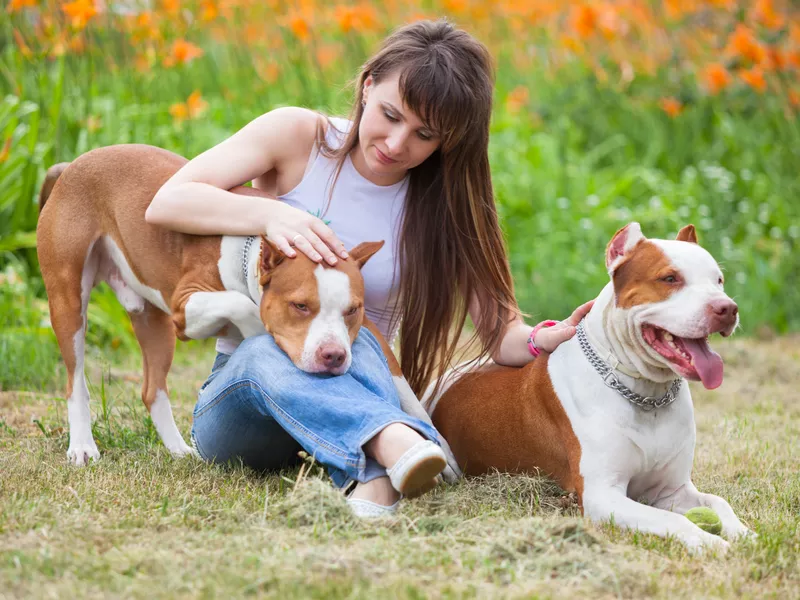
[[451, 248]]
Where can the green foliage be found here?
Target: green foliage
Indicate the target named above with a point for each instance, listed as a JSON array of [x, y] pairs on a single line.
[[571, 164]]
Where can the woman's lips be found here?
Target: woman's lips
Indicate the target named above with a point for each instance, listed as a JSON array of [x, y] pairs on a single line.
[[383, 159]]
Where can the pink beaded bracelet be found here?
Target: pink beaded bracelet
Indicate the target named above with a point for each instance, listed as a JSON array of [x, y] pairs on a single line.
[[531, 345]]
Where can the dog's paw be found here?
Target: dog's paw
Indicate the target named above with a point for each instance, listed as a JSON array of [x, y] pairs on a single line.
[[739, 532], [79, 454], [705, 542], [182, 450]]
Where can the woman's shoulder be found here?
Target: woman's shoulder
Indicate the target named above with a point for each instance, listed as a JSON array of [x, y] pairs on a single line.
[[295, 125]]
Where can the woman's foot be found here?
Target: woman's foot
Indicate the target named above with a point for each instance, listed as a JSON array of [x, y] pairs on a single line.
[[411, 461], [374, 499], [415, 471]]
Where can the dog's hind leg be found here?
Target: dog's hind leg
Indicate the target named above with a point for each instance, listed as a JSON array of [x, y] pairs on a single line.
[[156, 335], [69, 275]]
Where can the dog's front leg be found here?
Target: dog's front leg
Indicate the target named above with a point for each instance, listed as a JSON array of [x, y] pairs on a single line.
[[610, 504], [688, 497], [203, 314]]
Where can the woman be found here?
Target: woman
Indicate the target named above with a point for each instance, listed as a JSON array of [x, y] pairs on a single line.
[[411, 167]]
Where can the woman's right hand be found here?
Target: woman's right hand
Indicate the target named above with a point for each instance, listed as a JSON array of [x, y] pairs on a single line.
[[289, 228]]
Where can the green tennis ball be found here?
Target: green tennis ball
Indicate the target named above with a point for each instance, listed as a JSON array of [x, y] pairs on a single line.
[[705, 518]]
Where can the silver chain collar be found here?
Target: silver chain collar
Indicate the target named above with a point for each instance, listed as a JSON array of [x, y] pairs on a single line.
[[646, 403], [246, 254]]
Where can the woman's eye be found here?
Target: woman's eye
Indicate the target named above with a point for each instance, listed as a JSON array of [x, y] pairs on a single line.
[[425, 137], [391, 118]]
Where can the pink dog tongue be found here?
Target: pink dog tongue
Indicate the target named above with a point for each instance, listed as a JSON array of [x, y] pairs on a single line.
[[707, 362]]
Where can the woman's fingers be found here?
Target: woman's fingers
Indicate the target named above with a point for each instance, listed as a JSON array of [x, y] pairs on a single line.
[[327, 235], [321, 247], [304, 246], [284, 246], [579, 313]]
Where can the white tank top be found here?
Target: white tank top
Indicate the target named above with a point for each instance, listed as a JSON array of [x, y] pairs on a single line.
[[359, 211]]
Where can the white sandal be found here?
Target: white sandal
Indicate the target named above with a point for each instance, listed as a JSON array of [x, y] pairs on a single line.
[[415, 472]]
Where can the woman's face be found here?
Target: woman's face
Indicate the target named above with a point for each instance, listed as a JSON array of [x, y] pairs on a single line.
[[392, 138]]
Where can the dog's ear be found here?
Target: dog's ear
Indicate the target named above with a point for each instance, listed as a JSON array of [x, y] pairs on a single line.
[[271, 257], [687, 234], [364, 251], [621, 245]]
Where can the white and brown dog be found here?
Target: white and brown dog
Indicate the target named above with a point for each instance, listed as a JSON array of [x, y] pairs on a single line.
[[92, 229], [609, 414]]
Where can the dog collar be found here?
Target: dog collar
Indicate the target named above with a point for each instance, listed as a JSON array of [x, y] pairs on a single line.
[[606, 372], [608, 356], [248, 243]]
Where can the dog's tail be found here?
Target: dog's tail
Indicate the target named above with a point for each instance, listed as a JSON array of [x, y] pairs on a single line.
[[53, 173]]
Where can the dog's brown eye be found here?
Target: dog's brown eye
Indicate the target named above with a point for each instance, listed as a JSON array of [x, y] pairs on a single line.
[[299, 306], [351, 312], [670, 279], [721, 281]]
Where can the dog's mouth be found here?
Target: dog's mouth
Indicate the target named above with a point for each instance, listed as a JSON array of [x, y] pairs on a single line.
[[692, 358]]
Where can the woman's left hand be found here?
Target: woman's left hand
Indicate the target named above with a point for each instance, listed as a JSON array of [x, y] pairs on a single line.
[[549, 338]]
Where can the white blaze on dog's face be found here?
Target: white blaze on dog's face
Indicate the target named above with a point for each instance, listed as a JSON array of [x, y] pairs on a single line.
[[314, 311], [669, 297]]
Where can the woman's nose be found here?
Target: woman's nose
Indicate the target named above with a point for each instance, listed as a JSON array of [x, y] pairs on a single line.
[[396, 140]]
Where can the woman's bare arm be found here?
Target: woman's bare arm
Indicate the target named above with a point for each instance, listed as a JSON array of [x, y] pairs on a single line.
[[197, 199]]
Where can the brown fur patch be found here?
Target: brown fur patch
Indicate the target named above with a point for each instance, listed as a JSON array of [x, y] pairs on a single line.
[[687, 234], [510, 419], [639, 279]]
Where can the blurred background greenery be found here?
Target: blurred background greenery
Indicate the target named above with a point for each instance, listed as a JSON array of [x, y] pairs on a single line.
[[667, 113]]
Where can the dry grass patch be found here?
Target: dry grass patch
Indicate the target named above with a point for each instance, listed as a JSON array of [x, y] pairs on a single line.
[[139, 523]]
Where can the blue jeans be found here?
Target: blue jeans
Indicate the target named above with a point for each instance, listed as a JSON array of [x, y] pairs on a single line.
[[258, 407]]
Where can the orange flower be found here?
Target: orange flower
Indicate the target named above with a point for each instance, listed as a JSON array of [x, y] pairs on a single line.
[[171, 7], [763, 12], [671, 106], [716, 77], [299, 24], [191, 109], [455, 5], [208, 11], [744, 43], [182, 52], [196, 105], [754, 78], [179, 112], [583, 20], [777, 59], [794, 98], [18, 5], [356, 18], [79, 11], [517, 99]]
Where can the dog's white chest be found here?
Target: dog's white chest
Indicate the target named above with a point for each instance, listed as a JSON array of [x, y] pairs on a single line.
[[615, 436]]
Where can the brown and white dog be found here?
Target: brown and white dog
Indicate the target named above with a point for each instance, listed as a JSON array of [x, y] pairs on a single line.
[[92, 229], [617, 427]]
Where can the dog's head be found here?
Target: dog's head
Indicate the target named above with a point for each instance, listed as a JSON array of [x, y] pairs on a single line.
[[314, 311], [669, 297]]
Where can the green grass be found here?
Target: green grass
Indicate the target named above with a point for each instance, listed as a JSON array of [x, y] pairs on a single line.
[[138, 523]]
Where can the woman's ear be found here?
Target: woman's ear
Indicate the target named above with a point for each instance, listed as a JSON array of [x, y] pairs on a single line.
[[366, 88]]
